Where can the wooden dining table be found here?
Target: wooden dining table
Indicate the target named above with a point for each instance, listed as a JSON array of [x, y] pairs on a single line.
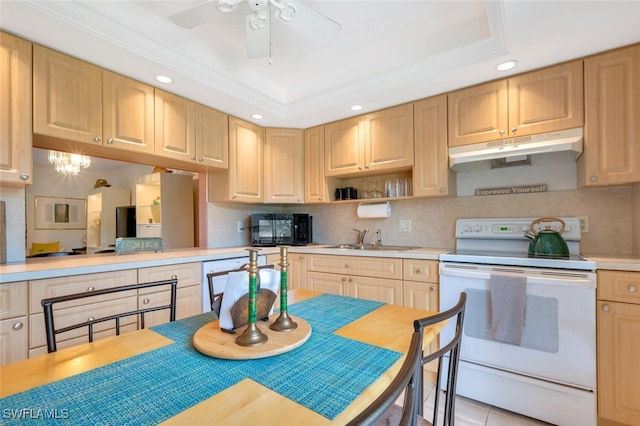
[[155, 375]]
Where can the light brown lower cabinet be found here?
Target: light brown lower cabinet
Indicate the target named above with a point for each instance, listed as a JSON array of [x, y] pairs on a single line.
[[295, 270], [13, 322], [618, 337], [22, 342]]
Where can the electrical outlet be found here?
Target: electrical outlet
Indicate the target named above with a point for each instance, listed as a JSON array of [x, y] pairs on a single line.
[[584, 223], [240, 226], [405, 225]]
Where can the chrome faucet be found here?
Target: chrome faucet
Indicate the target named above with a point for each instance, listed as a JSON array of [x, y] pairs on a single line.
[[379, 237], [361, 235]]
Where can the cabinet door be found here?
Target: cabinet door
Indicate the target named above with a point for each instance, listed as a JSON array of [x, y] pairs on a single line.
[[283, 163], [612, 119], [381, 290], [344, 147], [246, 155], [67, 97], [315, 184], [127, 113], [296, 271], [389, 138], [175, 127], [212, 138], [421, 295], [618, 355], [431, 173], [478, 114], [328, 283], [546, 100], [13, 300], [15, 110], [14, 340]]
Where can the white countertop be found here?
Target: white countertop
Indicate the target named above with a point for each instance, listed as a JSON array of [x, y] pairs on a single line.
[[51, 267]]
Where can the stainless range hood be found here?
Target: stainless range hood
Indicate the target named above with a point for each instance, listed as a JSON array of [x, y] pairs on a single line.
[[569, 141]]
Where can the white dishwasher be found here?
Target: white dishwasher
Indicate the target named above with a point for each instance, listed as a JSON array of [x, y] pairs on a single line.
[[220, 282]]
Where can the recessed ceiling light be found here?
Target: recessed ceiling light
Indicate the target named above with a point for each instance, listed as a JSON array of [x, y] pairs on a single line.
[[164, 79], [257, 116], [355, 107], [507, 65]]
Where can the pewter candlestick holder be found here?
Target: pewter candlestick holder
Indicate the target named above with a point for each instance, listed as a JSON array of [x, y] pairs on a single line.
[[252, 336], [284, 321]]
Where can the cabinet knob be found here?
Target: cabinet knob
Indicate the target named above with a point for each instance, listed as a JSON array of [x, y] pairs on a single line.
[[193, 158], [606, 308], [360, 168], [24, 176], [201, 159], [97, 138], [514, 130], [432, 288], [109, 141], [366, 167], [418, 270], [17, 326], [234, 196], [174, 277], [633, 288], [502, 132], [91, 319], [443, 190], [593, 178], [91, 288], [346, 265], [146, 301]]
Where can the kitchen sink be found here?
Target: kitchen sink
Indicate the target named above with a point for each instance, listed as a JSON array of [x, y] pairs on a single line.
[[372, 247]]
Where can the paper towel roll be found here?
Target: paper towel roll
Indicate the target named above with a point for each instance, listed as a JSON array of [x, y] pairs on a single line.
[[376, 210]]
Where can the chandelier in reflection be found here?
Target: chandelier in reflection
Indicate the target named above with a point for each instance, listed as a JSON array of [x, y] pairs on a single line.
[[68, 164]]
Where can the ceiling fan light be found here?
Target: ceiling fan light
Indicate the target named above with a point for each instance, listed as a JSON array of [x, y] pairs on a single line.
[[258, 20], [286, 13], [227, 6]]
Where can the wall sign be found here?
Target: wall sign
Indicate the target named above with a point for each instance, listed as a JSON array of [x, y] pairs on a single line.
[[526, 189]]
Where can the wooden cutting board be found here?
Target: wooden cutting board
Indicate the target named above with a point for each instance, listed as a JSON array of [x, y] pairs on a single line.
[[210, 340]]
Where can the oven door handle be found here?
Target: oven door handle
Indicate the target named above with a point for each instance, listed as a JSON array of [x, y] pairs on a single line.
[[551, 277]]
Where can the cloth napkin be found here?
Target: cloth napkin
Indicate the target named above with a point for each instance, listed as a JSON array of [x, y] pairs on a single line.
[[508, 302], [238, 285]]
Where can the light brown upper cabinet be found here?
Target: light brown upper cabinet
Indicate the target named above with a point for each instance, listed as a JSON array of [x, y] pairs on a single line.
[[381, 140], [315, 184], [127, 113], [15, 111], [175, 123], [540, 101], [77, 101], [283, 166], [612, 119], [243, 181], [67, 97], [431, 173], [190, 132], [212, 137]]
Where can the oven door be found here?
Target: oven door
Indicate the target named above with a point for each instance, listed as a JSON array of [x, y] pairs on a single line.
[[558, 338]]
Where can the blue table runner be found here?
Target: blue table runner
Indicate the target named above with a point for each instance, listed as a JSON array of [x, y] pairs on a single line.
[[325, 374]]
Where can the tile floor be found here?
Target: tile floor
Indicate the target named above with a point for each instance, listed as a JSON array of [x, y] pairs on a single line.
[[475, 413]]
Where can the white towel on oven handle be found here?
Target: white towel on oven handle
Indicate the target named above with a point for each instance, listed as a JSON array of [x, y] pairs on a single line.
[[508, 303]]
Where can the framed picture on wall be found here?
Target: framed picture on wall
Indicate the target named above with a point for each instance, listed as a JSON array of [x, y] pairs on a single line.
[[60, 213]]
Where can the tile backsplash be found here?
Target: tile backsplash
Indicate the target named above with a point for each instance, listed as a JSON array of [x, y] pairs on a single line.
[[613, 218]]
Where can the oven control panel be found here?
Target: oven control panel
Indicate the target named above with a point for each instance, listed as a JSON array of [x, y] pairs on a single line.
[[513, 228]]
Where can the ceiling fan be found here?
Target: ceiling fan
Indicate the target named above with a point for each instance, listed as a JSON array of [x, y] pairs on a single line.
[[258, 21]]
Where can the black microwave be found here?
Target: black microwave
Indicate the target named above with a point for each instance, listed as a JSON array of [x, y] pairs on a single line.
[[272, 229]]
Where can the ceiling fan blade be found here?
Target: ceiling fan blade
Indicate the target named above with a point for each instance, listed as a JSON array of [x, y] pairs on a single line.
[[258, 34], [312, 23], [196, 15]]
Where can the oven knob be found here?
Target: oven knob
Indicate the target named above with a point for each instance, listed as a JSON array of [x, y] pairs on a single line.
[[525, 228], [477, 228], [466, 228]]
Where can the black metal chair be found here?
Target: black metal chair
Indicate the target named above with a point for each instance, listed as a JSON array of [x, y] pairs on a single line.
[[216, 298], [48, 305], [384, 411]]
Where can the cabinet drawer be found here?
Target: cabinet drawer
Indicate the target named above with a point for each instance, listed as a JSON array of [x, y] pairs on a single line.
[[187, 304], [52, 287], [379, 289], [420, 270], [13, 300], [621, 286], [13, 340], [328, 283], [378, 267], [77, 314], [187, 273]]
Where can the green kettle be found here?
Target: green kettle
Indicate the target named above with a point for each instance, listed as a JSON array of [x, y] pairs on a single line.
[[548, 242]]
